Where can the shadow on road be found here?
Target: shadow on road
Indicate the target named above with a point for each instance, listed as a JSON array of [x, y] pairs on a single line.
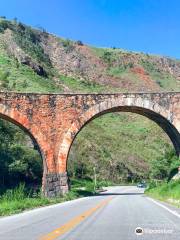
[[85, 193], [113, 194]]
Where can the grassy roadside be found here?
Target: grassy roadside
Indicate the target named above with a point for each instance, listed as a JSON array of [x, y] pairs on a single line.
[[167, 192], [17, 200]]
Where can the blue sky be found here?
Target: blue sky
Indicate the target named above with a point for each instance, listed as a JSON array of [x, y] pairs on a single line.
[[150, 26]]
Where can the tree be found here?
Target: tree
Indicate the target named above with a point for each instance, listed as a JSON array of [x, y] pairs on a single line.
[[163, 167], [18, 161]]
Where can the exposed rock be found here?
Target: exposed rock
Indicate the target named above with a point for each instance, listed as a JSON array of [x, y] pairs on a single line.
[[76, 60], [14, 50], [25, 59]]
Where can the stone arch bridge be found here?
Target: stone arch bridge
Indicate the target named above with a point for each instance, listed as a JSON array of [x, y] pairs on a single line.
[[54, 120]]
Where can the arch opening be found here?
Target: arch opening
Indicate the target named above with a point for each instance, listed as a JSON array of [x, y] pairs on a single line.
[[22, 160], [164, 124], [25, 130], [160, 120]]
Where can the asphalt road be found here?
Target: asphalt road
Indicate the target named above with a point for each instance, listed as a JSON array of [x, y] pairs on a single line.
[[113, 215]]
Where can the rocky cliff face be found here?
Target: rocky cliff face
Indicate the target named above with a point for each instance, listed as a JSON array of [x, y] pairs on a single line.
[[111, 67], [118, 69]]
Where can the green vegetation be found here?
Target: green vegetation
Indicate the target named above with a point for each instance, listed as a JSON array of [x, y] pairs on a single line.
[[108, 57], [101, 51], [21, 78], [119, 148], [149, 66], [168, 192], [112, 162], [116, 71], [165, 166], [119, 64], [19, 199], [161, 186], [123, 73], [68, 45], [19, 161], [81, 85], [130, 142], [165, 80], [27, 38]]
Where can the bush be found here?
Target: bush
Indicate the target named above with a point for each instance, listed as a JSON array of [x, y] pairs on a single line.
[[18, 162], [108, 58], [159, 83], [4, 25], [162, 167], [79, 43], [68, 45]]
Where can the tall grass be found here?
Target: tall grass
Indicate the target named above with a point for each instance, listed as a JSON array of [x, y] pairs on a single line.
[[169, 192], [19, 199], [14, 194]]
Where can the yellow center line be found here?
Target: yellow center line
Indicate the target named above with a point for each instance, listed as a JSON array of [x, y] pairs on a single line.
[[74, 222]]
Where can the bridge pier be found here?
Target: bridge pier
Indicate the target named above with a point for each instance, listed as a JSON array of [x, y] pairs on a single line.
[[54, 120], [55, 184]]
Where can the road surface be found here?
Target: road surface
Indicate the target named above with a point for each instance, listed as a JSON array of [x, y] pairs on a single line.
[[113, 215]]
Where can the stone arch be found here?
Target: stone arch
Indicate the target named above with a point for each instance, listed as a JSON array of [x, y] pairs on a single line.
[[29, 133], [21, 121], [152, 110]]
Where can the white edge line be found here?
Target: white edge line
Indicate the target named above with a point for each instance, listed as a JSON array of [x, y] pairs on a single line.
[[36, 210], [161, 205], [40, 209]]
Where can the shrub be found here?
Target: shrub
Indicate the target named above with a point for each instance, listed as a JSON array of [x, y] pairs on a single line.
[[68, 45], [4, 25], [79, 43], [159, 83], [107, 57], [130, 65], [161, 167]]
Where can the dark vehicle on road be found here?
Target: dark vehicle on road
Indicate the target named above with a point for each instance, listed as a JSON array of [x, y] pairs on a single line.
[[141, 185]]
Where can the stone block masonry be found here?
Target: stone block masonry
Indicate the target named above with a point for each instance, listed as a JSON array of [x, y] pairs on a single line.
[[53, 121], [56, 184]]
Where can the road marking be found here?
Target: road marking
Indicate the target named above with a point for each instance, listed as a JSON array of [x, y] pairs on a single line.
[[161, 205], [74, 222]]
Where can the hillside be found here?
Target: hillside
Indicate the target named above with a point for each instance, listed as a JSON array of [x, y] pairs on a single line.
[[31, 60], [69, 66]]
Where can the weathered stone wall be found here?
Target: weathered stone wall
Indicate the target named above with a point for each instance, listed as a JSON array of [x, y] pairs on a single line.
[[53, 120], [56, 184]]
